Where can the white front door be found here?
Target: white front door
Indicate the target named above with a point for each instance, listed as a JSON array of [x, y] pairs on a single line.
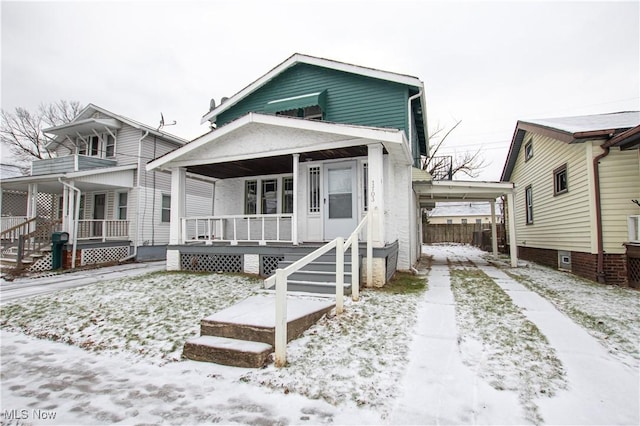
[[340, 199]]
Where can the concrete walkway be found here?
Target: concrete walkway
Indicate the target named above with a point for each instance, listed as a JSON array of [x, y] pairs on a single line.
[[442, 390], [25, 287]]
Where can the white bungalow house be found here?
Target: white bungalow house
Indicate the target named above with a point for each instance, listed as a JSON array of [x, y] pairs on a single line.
[[301, 156], [97, 190]]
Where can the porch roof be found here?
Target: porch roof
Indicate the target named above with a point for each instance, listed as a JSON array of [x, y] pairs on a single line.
[[430, 192], [85, 180], [84, 126], [258, 144]]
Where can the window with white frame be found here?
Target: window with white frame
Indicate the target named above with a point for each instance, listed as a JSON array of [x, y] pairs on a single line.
[[287, 194], [122, 205], [250, 196], [463, 221], [269, 196], [528, 197], [166, 208], [560, 183], [314, 189], [103, 145], [528, 150], [479, 221]]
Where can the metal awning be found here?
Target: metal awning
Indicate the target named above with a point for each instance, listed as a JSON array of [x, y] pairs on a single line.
[[295, 102]]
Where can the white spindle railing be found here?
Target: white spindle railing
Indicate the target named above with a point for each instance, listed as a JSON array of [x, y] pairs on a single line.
[[236, 228], [102, 229], [8, 222]]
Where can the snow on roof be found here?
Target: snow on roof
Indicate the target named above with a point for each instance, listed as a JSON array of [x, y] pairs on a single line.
[[588, 123], [462, 209]]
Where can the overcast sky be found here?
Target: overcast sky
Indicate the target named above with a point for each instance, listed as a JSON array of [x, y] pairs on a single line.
[[485, 63]]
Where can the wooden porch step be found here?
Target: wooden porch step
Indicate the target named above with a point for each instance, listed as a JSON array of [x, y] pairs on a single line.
[[226, 351], [318, 276], [316, 287], [317, 266]]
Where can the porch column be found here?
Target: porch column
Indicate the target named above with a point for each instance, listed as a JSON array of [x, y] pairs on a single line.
[[513, 245], [32, 200], [294, 218], [178, 203], [494, 230], [376, 192]]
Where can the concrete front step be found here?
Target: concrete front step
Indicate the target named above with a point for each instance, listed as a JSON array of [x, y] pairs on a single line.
[[226, 334], [226, 351]]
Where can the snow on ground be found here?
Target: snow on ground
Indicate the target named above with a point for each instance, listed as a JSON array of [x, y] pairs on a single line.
[[374, 364]]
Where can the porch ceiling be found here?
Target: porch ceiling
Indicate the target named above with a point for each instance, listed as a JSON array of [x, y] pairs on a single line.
[[272, 165]]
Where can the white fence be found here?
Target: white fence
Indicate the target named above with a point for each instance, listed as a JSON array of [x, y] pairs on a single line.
[[103, 229]]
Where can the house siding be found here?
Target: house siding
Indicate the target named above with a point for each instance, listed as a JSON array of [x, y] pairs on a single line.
[[351, 98], [561, 222], [619, 184], [127, 145]]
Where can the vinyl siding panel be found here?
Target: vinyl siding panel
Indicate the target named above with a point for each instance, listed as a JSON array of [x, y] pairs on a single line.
[[619, 184], [199, 198], [561, 222], [127, 145], [350, 98]]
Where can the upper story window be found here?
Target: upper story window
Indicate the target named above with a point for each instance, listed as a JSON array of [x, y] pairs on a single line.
[[103, 145], [560, 182], [528, 150], [310, 113]]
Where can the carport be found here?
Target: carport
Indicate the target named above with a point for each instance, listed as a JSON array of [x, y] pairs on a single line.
[[431, 191]]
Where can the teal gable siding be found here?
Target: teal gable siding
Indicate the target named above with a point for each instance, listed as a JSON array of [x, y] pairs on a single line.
[[351, 98]]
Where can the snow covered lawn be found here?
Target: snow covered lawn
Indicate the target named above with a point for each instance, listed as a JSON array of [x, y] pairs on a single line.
[[357, 357]]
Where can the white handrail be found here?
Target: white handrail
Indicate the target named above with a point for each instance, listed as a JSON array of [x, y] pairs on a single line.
[[212, 228], [281, 275]]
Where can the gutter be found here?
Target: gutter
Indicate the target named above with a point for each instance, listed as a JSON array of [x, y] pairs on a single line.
[[596, 175], [76, 218], [138, 196]]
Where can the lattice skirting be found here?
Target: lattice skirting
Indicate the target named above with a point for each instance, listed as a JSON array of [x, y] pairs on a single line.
[[633, 267], [45, 263], [211, 262], [103, 255], [269, 264]]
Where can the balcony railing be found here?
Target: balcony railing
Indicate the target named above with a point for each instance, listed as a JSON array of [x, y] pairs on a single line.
[[99, 229], [237, 228]]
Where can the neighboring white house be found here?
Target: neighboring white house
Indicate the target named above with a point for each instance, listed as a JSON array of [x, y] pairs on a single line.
[[97, 190], [462, 213]]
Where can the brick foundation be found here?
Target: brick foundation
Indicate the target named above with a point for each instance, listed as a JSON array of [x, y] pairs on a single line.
[[582, 264]]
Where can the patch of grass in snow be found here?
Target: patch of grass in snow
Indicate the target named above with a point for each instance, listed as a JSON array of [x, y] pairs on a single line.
[[495, 337], [405, 283], [149, 316], [357, 357], [609, 313]]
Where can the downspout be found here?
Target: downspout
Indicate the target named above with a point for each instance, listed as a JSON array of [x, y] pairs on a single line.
[[138, 196], [76, 219], [410, 122], [596, 177]]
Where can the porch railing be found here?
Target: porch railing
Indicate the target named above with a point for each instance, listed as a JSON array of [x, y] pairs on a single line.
[[103, 229], [237, 228], [14, 226], [340, 245], [29, 237]]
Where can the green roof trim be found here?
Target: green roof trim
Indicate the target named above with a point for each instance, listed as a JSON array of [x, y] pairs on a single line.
[[295, 102]]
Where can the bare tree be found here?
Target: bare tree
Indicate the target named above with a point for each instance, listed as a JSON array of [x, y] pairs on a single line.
[[447, 166], [21, 130]]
